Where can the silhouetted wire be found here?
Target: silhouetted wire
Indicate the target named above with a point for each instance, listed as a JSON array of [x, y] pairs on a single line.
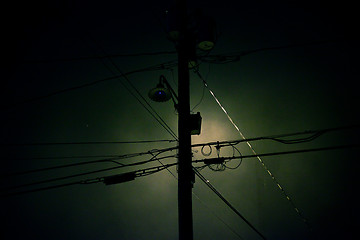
[[164, 165], [283, 152], [198, 198], [234, 57], [160, 169], [161, 66], [280, 137], [102, 57], [141, 100], [139, 173], [40, 189], [112, 158], [86, 173], [224, 58], [219, 58], [84, 143], [239, 163], [267, 170], [207, 183], [167, 65]]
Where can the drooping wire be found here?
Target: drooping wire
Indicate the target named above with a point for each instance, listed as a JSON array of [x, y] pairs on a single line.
[[82, 143], [240, 157], [207, 182], [280, 137], [141, 100], [236, 56], [139, 173], [299, 140], [203, 91], [280, 153], [222, 165], [162, 66], [110, 158], [102, 57], [277, 183], [88, 173]]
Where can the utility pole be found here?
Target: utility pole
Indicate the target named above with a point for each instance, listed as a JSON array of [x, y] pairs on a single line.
[[185, 172]]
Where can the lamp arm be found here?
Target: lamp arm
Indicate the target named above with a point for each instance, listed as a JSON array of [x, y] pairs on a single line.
[[163, 79]]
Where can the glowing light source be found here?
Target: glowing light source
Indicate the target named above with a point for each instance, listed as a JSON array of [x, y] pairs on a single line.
[[159, 93]]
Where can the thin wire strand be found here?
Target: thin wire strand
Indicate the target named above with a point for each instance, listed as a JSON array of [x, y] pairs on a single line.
[[161, 66], [198, 198], [277, 183], [83, 143], [158, 118], [86, 173], [139, 173], [101, 57], [281, 153], [207, 182]]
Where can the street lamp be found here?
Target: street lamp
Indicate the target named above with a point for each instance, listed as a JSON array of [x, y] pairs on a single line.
[[163, 92], [159, 93]]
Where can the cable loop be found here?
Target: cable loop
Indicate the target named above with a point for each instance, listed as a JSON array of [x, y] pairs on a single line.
[[206, 154]]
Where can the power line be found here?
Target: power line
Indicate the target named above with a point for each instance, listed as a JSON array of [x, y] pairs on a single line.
[[280, 137], [234, 57], [280, 153], [207, 182], [198, 198], [138, 173], [112, 158], [157, 67], [218, 58], [154, 158], [102, 57], [84, 173], [222, 58], [286, 195], [147, 105], [84, 143]]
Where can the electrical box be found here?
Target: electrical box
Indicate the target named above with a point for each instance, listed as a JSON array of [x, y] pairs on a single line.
[[195, 123]]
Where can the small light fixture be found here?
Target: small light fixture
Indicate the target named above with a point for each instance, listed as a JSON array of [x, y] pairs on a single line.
[[160, 93]]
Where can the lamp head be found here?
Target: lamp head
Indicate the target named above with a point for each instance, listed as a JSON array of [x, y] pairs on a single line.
[[159, 93]]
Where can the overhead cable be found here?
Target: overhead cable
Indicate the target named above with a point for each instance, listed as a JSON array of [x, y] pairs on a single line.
[[102, 57], [138, 173], [86, 173], [267, 170], [161, 66], [143, 102], [205, 152], [207, 182], [222, 159], [234, 57], [281, 137], [222, 58], [84, 143]]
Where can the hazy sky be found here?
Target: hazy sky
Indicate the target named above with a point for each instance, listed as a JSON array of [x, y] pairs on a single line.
[[308, 87]]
